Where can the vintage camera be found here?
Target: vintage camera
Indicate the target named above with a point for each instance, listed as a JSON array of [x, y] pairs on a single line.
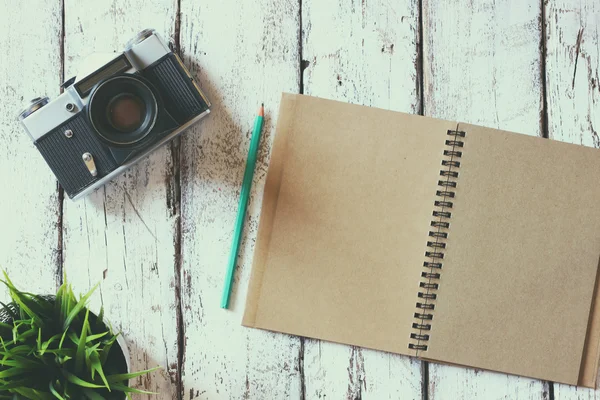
[[117, 110]]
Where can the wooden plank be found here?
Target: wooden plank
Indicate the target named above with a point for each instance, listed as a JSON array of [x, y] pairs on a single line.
[[124, 235], [573, 93], [572, 82], [482, 64], [362, 52], [29, 205], [243, 53]]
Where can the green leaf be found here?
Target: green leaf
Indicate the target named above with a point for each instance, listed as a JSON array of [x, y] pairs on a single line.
[[7, 373], [80, 382], [58, 303], [97, 336], [39, 339], [33, 394], [15, 383], [64, 306], [100, 320], [18, 361], [97, 366], [22, 349], [80, 355], [48, 342], [54, 392], [77, 308], [124, 377], [28, 303], [93, 349], [5, 326], [123, 388], [73, 338], [106, 351], [92, 395], [62, 339], [64, 359]]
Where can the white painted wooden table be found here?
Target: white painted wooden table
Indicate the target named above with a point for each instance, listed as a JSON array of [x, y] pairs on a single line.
[[158, 237]]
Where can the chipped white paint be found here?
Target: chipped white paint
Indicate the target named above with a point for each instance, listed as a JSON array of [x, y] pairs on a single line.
[[123, 234], [482, 63], [363, 52], [29, 213], [573, 87], [243, 53], [572, 71]]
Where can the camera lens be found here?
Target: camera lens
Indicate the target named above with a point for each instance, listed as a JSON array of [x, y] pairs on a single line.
[[123, 109], [125, 112]]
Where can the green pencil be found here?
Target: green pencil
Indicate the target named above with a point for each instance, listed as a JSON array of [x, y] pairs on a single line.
[[239, 222]]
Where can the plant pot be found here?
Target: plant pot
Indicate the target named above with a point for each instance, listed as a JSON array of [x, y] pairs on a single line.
[[119, 355]]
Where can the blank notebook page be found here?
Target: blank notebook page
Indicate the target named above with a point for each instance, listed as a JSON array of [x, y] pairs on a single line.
[[521, 259], [346, 212]]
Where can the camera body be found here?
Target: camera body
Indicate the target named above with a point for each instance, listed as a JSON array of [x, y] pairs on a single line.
[[118, 109]]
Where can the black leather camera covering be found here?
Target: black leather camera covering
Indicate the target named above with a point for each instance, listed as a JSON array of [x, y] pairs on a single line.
[[180, 97], [63, 154]]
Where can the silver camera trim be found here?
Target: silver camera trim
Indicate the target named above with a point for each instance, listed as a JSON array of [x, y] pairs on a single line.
[[140, 55]]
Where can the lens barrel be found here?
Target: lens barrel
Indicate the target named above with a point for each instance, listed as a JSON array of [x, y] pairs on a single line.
[[123, 109]]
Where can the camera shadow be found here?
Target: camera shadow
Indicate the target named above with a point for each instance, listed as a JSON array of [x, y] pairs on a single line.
[[214, 160], [217, 141]]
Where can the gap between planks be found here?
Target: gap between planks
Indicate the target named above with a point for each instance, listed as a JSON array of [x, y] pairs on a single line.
[[176, 210]]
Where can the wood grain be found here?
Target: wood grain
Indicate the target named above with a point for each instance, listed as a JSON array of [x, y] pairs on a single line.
[[29, 205], [573, 93], [124, 235], [362, 52], [482, 64], [243, 54], [572, 65]]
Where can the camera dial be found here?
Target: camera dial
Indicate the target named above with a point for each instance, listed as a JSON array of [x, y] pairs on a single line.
[[140, 37], [33, 106]]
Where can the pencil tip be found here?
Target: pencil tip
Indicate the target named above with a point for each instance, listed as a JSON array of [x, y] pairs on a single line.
[[261, 110]]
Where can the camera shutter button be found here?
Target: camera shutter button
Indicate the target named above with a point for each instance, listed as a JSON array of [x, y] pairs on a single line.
[[88, 159]]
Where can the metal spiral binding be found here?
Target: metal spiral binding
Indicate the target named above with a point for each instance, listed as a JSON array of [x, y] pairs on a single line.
[[437, 243]]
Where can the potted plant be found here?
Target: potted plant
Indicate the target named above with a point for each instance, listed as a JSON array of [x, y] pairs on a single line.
[[54, 347]]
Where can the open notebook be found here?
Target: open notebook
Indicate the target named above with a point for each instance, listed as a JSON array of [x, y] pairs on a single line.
[[436, 239]]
